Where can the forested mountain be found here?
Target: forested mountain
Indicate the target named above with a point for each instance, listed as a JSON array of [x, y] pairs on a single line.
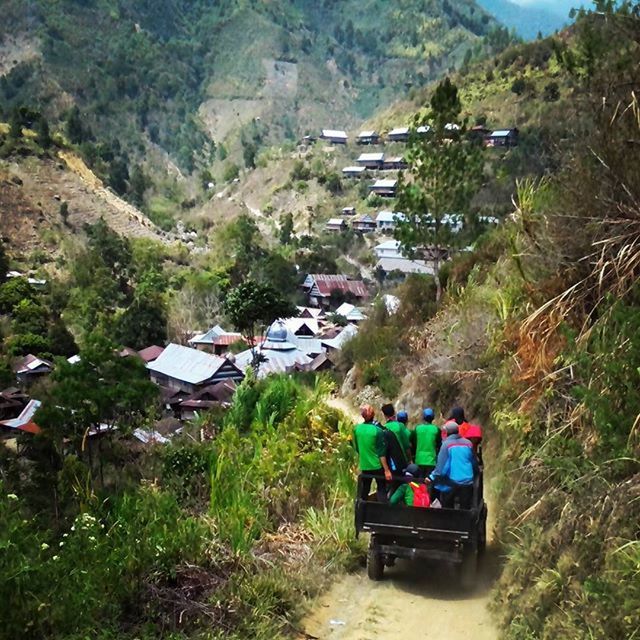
[[183, 76]]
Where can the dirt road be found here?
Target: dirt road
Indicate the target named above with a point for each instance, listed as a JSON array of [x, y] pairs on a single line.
[[412, 601]]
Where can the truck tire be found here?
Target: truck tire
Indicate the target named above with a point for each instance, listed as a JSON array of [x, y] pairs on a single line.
[[482, 534], [375, 564], [467, 570]]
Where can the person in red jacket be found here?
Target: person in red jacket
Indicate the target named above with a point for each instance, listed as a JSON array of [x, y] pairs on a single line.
[[472, 432]]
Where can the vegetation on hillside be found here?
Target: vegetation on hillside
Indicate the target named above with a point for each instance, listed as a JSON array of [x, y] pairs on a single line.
[[210, 540], [552, 300]]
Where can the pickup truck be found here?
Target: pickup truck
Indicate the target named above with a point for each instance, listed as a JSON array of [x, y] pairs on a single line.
[[456, 536]]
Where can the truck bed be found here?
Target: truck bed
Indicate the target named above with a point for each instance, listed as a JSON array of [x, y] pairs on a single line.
[[424, 524]]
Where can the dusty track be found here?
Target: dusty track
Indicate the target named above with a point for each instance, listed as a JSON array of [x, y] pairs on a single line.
[[413, 600]]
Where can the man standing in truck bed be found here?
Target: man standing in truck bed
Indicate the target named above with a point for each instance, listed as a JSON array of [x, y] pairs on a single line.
[[369, 442], [426, 441]]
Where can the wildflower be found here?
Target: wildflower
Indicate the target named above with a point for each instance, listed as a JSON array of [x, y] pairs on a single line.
[[44, 546], [12, 496], [92, 538], [65, 535], [56, 558], [62, 544]]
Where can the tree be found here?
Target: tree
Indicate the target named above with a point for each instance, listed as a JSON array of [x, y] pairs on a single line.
[[252, 307], [75, 129], [43, 135], [286, 228], [100, 392], [4, 264], [13, 291], [445, 171], [143, 323]]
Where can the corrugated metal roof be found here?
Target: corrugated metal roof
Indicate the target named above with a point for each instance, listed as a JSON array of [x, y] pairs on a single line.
[[186, 364], [150, 353], [367, 134], [353, 169], [346, 334], [274, 361], [24, 421], [404, 265], [325, 284], [501, 133], [334, 133], [389, 216], [399, 131], [388, 245], [371, 157], [385, 183]]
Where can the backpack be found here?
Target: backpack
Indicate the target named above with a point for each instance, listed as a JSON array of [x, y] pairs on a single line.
[[420, 494]]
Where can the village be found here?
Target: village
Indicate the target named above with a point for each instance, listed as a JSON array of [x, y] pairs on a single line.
[[203, 374]]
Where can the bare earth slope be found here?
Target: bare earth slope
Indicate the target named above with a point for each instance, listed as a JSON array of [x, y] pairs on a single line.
[[33, 190]]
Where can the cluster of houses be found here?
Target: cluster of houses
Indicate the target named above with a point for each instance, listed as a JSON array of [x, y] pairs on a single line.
[[205, 372], [490, 137]]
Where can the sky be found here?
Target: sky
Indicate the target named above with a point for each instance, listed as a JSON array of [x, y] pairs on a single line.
[[561, 7]]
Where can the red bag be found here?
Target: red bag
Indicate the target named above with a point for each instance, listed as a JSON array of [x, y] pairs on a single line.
[[420, 495]]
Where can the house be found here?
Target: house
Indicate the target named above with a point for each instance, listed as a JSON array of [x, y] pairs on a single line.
[[385, 188], [310, 312], [368, 137], [404, 266], [479, 132], [335, 224], [31, 368], [364, 224], [348, 211], [336, 344], [388, 249], [503, 138], [451, 126], [353, 171], [388, 220], [454, 221], [216, 340], [321, 287], [334, 136], [279, 353], [350, 312], [214, 395], [12, 402], [371, 160], [185, 369], [303, 327], [24, 422], [149, 354], [399, 134], [394, 163], [423, 130], [308, 139]]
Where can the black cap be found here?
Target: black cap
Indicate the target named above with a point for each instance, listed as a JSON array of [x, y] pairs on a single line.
[[412, 470], [457, 414]]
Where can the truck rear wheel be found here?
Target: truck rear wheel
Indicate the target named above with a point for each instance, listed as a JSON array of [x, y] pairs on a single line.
[[375, 564], [482, 535], [467, 570]]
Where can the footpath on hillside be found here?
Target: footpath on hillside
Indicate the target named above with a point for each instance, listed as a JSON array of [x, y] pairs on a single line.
[[414, 599]]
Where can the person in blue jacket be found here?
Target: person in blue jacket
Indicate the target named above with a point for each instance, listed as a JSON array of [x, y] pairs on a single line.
[[455, 470]]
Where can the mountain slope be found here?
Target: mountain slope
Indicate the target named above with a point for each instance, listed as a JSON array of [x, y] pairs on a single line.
[[178, 73]]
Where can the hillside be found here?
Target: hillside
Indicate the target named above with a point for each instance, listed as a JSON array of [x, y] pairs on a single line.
[[160, 73], [45, 199]]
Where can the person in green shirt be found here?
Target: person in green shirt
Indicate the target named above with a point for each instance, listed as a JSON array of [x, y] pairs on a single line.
[[426, 440], [414, 492], [368, 441], [397, 439]]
